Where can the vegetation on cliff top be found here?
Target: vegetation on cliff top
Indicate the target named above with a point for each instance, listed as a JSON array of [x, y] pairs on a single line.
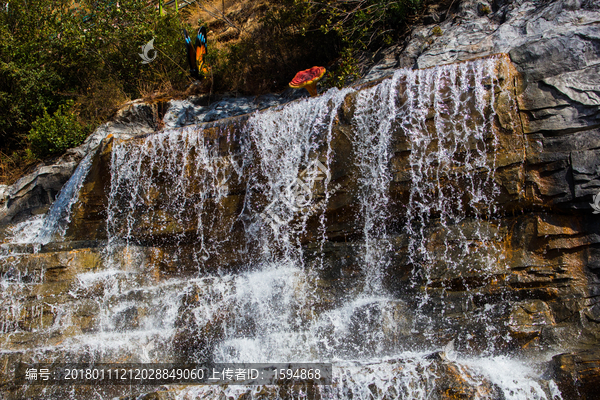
[[66, 65]]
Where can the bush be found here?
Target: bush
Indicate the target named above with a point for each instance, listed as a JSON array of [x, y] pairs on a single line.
[[53, 51], [54, 134], [361, 25], [365, 24], [346, 70]]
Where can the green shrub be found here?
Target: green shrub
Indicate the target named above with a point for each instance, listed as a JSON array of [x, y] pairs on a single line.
[[346, 70], [360, 25], [54, 134], [52, 51]]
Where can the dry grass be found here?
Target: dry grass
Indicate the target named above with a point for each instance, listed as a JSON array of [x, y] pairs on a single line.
[[227, 21], [13, 167], [101, 100], [220, 14]]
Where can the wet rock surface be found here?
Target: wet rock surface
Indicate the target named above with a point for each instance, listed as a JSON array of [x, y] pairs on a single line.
[[577, 374], [33, 194], [199, 109], [556, 48]]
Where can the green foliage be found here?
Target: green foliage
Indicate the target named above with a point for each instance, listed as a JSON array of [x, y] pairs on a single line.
[[364, 24], [53, 134], [360, 25], [53, 51], [484, 9], [346, 70]]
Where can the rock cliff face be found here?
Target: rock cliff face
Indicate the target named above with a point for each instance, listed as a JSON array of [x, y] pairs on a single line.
[[556, 48], [449, 203]]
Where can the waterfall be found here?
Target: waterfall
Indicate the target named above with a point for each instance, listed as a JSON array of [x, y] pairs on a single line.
[[456, 148], [374, 119], [448, 119], [52, 225], [178, 161], [59, 215], [287, 142], [220, 247]]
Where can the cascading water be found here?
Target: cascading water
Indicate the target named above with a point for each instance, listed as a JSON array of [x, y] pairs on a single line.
[[287, 144], [208, 257], [52, 226], [374, 118], [59, 215], [180, 162], [448, 120]]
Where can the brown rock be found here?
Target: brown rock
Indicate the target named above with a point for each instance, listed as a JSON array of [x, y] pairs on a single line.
[[577, 374]]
